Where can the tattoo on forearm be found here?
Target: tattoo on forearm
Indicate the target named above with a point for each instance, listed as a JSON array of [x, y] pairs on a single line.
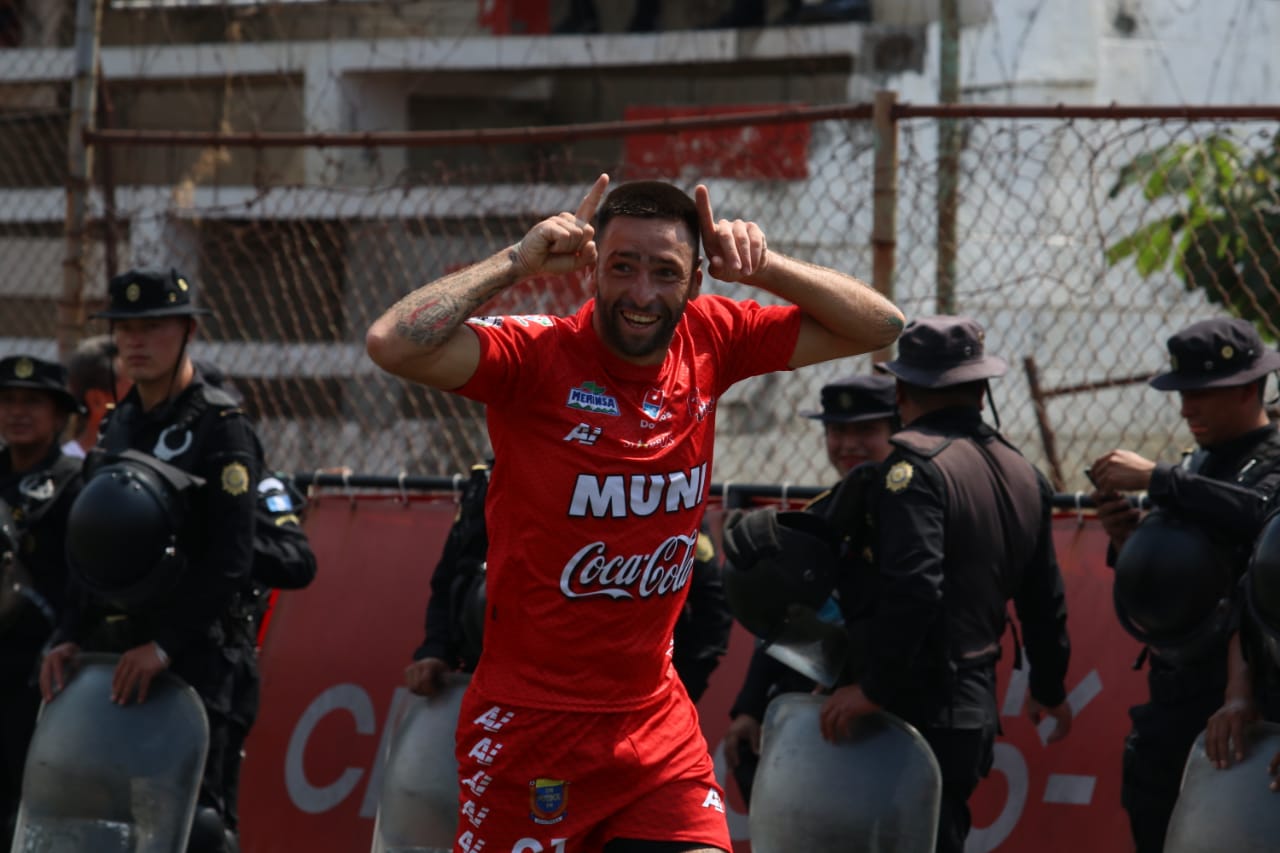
[[895, 322], [429, 315]]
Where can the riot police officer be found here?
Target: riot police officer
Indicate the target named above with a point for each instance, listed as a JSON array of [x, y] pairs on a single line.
[[1222, 492], [963, 526], [37, 485], [191, 448], [858, 415]]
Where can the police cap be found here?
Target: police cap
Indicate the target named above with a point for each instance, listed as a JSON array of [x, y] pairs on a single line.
[[1219, 353], [863, 397], [25, 371], [150, 293], [937, 352]]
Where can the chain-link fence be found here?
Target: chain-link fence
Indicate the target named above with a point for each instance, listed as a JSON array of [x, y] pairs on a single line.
[[1083, 239]]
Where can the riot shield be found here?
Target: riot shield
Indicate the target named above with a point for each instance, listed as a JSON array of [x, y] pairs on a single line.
[[1231, 809], [418, 806], [877, 792], [108, 778]]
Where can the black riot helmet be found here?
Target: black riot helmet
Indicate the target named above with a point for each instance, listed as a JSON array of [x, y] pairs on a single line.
[[122, 530], [1173, 588], [774, 561], [1262, 586]]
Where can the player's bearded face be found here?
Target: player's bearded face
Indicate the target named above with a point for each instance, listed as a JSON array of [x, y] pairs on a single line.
[[645, 277]]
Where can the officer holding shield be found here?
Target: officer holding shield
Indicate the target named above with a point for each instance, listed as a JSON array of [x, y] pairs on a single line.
[[37, 486], [858, 415], [181, 453], [1214, 503], [963, 526]]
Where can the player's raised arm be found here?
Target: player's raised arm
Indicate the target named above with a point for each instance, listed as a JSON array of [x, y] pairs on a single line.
[[422, 337], [843, 316]]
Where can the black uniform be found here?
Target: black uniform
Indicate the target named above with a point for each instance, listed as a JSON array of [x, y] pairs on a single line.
[[964, 525], [39, 500], [1226, 490], [200, 624], [453, 622]]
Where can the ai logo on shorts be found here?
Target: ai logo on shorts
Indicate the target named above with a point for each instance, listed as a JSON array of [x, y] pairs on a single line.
[[548, 799]]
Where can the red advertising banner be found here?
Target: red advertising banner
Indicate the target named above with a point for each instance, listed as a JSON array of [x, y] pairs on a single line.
[[752, 152], [334, 657]]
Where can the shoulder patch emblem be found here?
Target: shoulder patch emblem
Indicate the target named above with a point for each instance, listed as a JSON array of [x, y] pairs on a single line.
[[705, 550], [235, 479], [899, 476]]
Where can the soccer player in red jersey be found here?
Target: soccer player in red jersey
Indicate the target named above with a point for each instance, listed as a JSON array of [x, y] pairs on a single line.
[[575, 734]]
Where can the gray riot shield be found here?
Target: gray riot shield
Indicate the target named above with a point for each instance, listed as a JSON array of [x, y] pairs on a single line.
[[418, 806], [877, 792], [1231, 809], [108, 778]]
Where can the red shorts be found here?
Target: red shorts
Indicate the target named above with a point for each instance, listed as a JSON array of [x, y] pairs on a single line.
[[566, 782]]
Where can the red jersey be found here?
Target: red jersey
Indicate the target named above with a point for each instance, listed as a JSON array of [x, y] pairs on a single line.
[[598, 491]]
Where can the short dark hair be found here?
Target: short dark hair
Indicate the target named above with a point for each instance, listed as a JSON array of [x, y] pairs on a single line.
[[650, 200], [92, 366]]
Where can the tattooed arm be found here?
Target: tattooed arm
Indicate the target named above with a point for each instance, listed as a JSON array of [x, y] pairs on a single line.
[[423, 337]]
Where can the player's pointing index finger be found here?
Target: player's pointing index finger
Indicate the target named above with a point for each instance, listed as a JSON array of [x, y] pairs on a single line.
[[587, 210], [706, 220]]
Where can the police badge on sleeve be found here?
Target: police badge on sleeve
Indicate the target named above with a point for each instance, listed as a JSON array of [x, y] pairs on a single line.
[[235, 479], [899, 477]]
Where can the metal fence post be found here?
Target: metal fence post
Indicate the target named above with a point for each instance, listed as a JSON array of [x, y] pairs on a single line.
[[884, 196], [71, 313]]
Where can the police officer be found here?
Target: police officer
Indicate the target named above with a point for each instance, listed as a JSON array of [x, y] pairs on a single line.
[[858, 416], [37, 485], [964, 525], [178, 423], [1223, 491], [453, 623]]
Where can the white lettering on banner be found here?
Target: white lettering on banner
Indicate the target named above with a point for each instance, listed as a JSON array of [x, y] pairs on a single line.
[[1010, 763], [469, 843], [1059, 788], [595, 496], [310, 798], [591, 572]]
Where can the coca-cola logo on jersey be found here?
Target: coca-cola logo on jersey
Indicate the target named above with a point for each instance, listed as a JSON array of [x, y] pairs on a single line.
[[592, 571]]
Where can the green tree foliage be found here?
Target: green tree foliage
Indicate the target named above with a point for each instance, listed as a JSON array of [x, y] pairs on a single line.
[[1223, 234]]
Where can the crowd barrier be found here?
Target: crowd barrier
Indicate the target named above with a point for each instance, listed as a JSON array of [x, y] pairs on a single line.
[[334, 655]]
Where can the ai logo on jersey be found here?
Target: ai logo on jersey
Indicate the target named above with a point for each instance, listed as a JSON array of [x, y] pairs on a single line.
[[548, 799], [584, 434], [591, 398]]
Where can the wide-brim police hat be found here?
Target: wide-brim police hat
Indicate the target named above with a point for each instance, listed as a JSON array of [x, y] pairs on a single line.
[[938, 352], [864, 397], [24, 371], [150, 293], [1220, 353]]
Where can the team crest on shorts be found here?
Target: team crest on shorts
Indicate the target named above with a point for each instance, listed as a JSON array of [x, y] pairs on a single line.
[[548, 799]]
